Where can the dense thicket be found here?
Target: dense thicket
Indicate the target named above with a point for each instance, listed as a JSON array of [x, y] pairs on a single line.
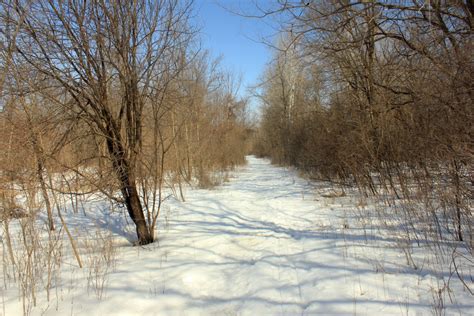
[[378, 94], [111, 96]]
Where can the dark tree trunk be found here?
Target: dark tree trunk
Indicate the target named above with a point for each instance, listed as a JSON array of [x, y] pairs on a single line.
[[44, 191], [39, 173], [135, 210], [128, 185]]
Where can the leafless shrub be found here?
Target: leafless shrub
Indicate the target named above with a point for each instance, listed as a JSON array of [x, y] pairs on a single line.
[[34, 262], [100, 261], [379, 96]]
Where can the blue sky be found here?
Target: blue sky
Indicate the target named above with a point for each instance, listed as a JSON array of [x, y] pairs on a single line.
[[236, 38]]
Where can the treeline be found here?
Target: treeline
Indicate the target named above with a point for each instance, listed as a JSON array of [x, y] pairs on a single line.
[[113, 97], [378, 94]]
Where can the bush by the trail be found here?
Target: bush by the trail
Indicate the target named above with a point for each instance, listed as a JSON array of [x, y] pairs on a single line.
[[12, 213]]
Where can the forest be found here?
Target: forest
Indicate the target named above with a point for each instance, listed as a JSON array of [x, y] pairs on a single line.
[[378, 95], [119, 129]]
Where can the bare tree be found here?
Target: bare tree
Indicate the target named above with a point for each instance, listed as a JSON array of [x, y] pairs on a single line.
[[395, 108], [105, 59]]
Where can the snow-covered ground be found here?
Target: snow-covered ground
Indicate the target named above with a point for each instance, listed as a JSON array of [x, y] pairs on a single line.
[[265, 243]]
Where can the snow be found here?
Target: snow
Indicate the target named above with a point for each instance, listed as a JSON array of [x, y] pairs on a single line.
[[266, 242]]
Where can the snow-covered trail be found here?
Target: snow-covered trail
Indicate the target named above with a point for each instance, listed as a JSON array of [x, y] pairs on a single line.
[[255, 244], [264, 243]]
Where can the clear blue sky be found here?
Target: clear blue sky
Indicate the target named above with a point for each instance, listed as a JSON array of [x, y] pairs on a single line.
[[236, 38]]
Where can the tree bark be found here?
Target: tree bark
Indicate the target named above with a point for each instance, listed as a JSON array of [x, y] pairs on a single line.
[[128, 186], [44, 191], [135, 211], [39, 173]]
